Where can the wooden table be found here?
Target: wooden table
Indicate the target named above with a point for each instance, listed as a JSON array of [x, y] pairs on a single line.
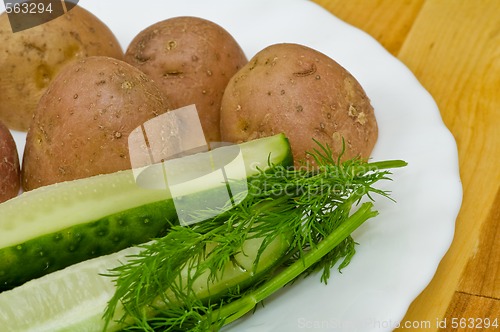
[[453, 48]]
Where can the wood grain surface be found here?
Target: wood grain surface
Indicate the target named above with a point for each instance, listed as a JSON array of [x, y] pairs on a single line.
[[453, 48]]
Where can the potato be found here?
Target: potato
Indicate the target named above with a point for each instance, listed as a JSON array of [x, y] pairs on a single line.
[[29, 59], [9, 165], [192, 60], [82, 123], [303, 93]]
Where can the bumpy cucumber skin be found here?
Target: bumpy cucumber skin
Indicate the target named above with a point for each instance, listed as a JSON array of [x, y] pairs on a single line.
[[236, 279], [55, 251]]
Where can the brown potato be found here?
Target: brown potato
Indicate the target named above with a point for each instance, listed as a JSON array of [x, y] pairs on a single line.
[[303, 93], [192, 60], [9, 165], [82, 123], [29, 59]]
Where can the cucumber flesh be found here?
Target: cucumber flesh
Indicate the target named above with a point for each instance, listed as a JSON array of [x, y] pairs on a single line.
[[55, 226], [74, 299], [71, 299]]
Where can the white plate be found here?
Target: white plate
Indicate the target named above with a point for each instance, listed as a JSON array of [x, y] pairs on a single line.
[[399, 250]]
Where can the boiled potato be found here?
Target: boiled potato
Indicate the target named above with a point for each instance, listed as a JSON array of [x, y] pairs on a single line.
[[29, 59], [192, 60], [82, 123], [9, 165], [303, 93]]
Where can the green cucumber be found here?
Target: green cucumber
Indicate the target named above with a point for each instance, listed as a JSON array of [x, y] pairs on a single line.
[[50, 252], [74, 299], [52, 227]]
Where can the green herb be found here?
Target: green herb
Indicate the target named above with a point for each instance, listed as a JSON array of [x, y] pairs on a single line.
[[311, 208]]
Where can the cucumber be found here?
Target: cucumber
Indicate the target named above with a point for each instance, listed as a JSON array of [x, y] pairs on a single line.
[[74, 299], [50, 252], [52, 227]]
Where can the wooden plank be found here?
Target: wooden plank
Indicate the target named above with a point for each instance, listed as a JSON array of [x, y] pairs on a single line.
[[471, 313], [454, 50], [388, 21], [482, 273]]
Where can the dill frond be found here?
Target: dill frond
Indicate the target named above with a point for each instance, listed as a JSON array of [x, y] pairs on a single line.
[[311, 208]]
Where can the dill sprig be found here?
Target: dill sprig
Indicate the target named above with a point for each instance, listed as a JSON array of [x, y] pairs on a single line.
[[311, 208]]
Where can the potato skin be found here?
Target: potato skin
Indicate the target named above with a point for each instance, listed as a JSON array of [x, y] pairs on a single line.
[[10, 180], [192, 60], [29, 59], [297, 90], [82, 123]]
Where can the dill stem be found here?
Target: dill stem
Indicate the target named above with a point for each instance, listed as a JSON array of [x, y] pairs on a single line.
[[386, 164], [234, 310]]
